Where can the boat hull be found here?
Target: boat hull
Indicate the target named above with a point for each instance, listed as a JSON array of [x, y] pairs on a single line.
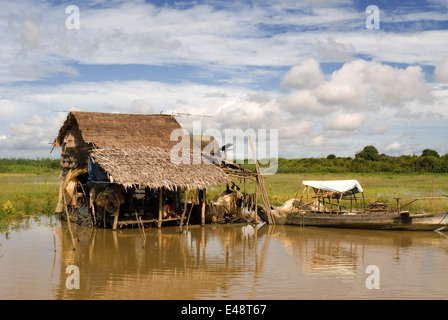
[[376, 221]]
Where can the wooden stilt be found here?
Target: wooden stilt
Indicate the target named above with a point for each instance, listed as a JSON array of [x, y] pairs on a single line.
[[184, 211], [117, 213], [68, 222], [159, 222], [189, 214], [203, 207], [141, 228]]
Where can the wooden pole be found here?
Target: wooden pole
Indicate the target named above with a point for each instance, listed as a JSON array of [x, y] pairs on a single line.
[[159, 222], [68, 222], [264, 195], [256, 205], [203, 207], [117, 213], [183, 211], [191, 209], [141, 228]]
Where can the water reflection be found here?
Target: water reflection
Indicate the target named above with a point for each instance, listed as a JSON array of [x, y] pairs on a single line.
[[170, 266], [223, 262]]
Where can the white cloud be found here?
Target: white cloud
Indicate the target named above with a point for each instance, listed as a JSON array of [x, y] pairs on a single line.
[[395, 146], [306, 75], [140, 106], [247, 45], [357, 85], [379, 129], [303, 101], [226, 39], [318, 141], [34, 121], [345, 121], [441, 71]]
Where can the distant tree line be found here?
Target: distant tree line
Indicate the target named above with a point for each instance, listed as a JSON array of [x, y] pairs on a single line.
[[369, 160], [29, 166]]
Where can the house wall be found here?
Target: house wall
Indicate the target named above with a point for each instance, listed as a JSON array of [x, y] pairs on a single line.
[[75, 151], [74, 155]]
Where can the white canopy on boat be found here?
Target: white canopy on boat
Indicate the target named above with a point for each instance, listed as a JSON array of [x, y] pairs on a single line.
[[341, 186]]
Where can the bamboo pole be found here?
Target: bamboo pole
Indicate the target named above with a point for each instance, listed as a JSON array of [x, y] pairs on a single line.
[[141, 228], [256, 206], [264, 196]]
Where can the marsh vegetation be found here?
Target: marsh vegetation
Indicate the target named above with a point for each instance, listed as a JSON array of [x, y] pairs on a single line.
[[30, 187]]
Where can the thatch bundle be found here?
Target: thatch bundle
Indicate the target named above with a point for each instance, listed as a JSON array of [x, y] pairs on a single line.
[[153, 167]]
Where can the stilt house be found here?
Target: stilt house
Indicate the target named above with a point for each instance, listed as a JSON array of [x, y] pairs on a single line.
[[117, 170]]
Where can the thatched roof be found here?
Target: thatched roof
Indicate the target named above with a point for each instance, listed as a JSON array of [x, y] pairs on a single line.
[[121, 130], [153, 167]]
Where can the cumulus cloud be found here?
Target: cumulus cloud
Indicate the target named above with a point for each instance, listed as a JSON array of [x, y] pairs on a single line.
[[304, 117], [362, 84], [379, 129], [345, 121], [35, 120], [441, 71], [394, 146], [352, 91], [306, 75], [227, 38], [244, 48], [140, 106]]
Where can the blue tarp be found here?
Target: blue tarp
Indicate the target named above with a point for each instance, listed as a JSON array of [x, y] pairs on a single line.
[[96, 173]]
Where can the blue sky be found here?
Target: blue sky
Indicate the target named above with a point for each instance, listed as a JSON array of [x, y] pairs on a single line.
[[310, 69]]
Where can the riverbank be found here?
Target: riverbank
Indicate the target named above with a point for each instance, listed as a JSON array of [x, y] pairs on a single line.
[[37, 194], [23, 195]]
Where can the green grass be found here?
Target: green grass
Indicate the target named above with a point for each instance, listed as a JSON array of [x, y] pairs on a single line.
[[30, 166], [37, 194], [27, 195], [377, 187]]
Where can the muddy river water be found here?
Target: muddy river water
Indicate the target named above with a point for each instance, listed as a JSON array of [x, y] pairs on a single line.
[[221, 262]]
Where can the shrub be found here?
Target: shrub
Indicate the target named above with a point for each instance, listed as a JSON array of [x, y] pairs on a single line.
[[8, 209]]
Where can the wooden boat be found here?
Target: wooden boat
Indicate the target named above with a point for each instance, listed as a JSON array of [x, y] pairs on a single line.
[[324, 209], [378, 221]]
